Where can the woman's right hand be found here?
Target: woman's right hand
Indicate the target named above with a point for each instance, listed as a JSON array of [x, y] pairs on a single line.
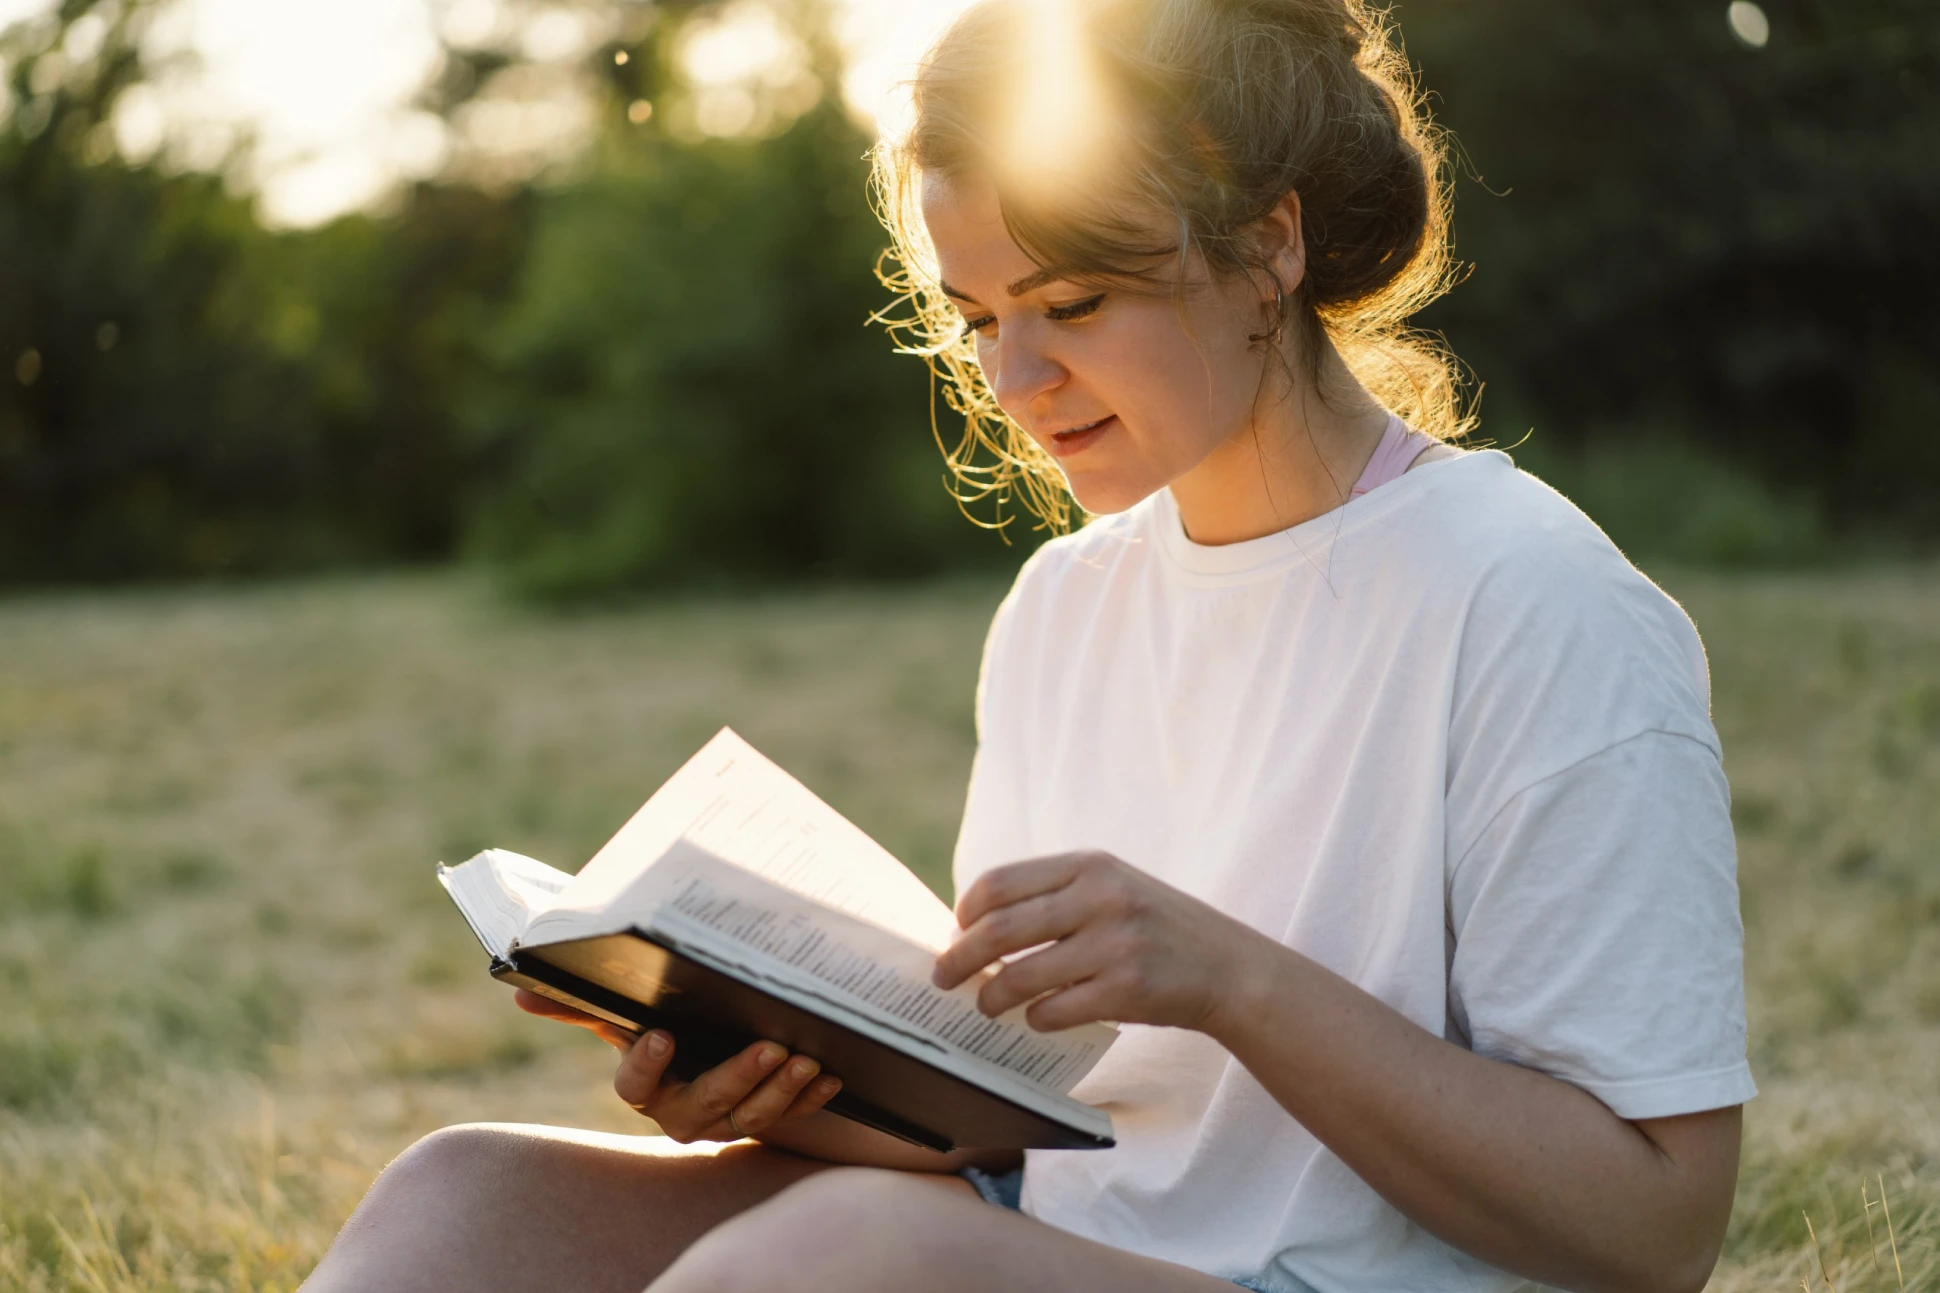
[[759, 1089]]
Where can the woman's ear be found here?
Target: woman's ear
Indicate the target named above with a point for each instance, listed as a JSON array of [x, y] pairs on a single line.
[[1283, 248]]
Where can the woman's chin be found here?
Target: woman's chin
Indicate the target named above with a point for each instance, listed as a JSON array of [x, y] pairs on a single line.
[[1106, 496]]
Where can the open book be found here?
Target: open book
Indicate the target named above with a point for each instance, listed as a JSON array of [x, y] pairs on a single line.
[[736, 905]]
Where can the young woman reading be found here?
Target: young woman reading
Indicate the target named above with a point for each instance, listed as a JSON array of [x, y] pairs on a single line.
[[1360, 777]]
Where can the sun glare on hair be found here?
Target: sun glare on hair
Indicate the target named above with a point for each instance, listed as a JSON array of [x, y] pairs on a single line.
[[1056, 115]]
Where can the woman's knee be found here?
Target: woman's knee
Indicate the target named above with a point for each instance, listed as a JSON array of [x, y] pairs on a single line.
[[503, 1205], [463, 1147], [446, 1155], [441, 1168], [839, 1228], [423, 1202]]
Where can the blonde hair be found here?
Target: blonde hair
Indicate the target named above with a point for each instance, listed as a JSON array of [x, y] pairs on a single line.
[[1221, 108]]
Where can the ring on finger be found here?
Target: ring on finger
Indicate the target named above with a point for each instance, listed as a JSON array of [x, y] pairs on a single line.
[[735, 1127]]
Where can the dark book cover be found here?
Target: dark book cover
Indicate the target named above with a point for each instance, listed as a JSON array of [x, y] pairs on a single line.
[[643, 982]]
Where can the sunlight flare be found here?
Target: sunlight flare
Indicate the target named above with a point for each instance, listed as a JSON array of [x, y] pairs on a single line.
[[1055, 128]]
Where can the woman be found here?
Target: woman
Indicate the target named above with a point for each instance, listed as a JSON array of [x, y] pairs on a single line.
[[1360, 777]]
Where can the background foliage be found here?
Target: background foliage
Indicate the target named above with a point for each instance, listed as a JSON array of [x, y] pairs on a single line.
[[684, 387], [1730, 245], [1701, 277]]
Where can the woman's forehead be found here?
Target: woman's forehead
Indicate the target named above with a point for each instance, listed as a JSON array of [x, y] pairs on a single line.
[[964, 217], [963, 209], [974, 249]]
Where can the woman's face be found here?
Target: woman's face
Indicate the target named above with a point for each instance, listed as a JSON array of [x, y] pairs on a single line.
[[1127, 392]]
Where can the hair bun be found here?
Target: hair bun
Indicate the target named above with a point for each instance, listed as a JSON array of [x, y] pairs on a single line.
[[1369, 231]]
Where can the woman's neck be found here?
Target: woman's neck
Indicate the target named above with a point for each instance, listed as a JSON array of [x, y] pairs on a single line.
[[1297, 459]]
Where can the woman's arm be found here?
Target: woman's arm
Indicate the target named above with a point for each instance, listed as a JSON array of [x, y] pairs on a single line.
[[1521, 1170]]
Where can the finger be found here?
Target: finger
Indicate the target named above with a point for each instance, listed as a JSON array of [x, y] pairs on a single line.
[[692, 1111], [1021, 925], [620, 1039], [768, 1103], [546, 1008], [1095, 999], [812, 1100], [1070, 961], [1004, 885], [534, 1004], [642, 1069], [822, 1090]]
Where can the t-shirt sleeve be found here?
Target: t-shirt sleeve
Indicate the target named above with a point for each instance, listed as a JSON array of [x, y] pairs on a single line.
[[1596, 930]]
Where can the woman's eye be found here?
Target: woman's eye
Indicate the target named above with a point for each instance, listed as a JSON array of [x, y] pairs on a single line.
[[1077, 309], [1059, 313]]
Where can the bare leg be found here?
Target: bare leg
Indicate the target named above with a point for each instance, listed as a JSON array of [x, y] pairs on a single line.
[[865, 1230], [504, 1206]]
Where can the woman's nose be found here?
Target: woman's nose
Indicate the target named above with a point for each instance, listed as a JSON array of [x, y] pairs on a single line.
[[1024, 370]]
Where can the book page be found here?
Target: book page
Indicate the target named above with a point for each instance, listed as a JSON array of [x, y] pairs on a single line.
[[737, 805], [854, 962], [497, 892]]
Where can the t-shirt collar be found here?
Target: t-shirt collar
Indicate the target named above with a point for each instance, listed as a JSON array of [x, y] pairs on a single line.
[[1310, 541]]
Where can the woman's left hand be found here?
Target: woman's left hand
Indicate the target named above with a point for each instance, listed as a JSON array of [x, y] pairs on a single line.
[[1122, 946]]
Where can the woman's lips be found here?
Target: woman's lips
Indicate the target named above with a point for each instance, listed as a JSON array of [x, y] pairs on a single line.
[[1066, 443]]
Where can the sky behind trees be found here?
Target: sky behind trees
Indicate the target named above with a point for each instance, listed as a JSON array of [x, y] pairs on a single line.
[[328, 88]]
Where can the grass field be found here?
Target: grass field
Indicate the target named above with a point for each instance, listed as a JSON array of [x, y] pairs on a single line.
[[233, 990]]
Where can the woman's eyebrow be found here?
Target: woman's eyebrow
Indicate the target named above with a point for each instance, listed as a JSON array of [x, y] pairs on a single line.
[[1029, 283]]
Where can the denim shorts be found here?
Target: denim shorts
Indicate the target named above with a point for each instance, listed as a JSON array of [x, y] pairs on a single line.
[[1006, 1190]]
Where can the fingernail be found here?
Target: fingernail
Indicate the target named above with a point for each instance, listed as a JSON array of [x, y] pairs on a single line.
[[658, 1044], [770, 1055], [802, 1069], [828, 1086]]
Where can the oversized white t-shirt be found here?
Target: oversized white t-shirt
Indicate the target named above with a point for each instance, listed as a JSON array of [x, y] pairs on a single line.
[[1446, 742]]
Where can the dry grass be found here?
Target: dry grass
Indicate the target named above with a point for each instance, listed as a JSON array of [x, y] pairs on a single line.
[[234, 991]]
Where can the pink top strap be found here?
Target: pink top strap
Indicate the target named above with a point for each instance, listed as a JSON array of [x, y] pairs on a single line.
[[1399, 446]]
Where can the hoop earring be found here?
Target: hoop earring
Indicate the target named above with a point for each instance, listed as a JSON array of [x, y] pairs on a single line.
[[1273, 333]]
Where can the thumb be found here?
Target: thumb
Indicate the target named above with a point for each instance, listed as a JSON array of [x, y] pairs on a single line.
[[642, 1068]]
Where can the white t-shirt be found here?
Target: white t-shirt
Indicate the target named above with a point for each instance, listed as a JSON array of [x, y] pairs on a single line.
[[1446, 742]]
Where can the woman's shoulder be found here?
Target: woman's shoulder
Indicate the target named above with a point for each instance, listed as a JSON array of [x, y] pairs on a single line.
[[1561, 646], [1482, 511], [1521, 556], [1532, 547]]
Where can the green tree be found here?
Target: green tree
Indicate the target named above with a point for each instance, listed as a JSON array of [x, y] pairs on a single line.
[[689, 387], [185, 392], [129, 308]]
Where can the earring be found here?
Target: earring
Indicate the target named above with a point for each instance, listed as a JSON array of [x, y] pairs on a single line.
[[1273, 333]]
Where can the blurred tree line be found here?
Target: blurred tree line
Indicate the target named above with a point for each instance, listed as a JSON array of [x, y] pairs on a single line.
[[1702, 274], [1703, 268]]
